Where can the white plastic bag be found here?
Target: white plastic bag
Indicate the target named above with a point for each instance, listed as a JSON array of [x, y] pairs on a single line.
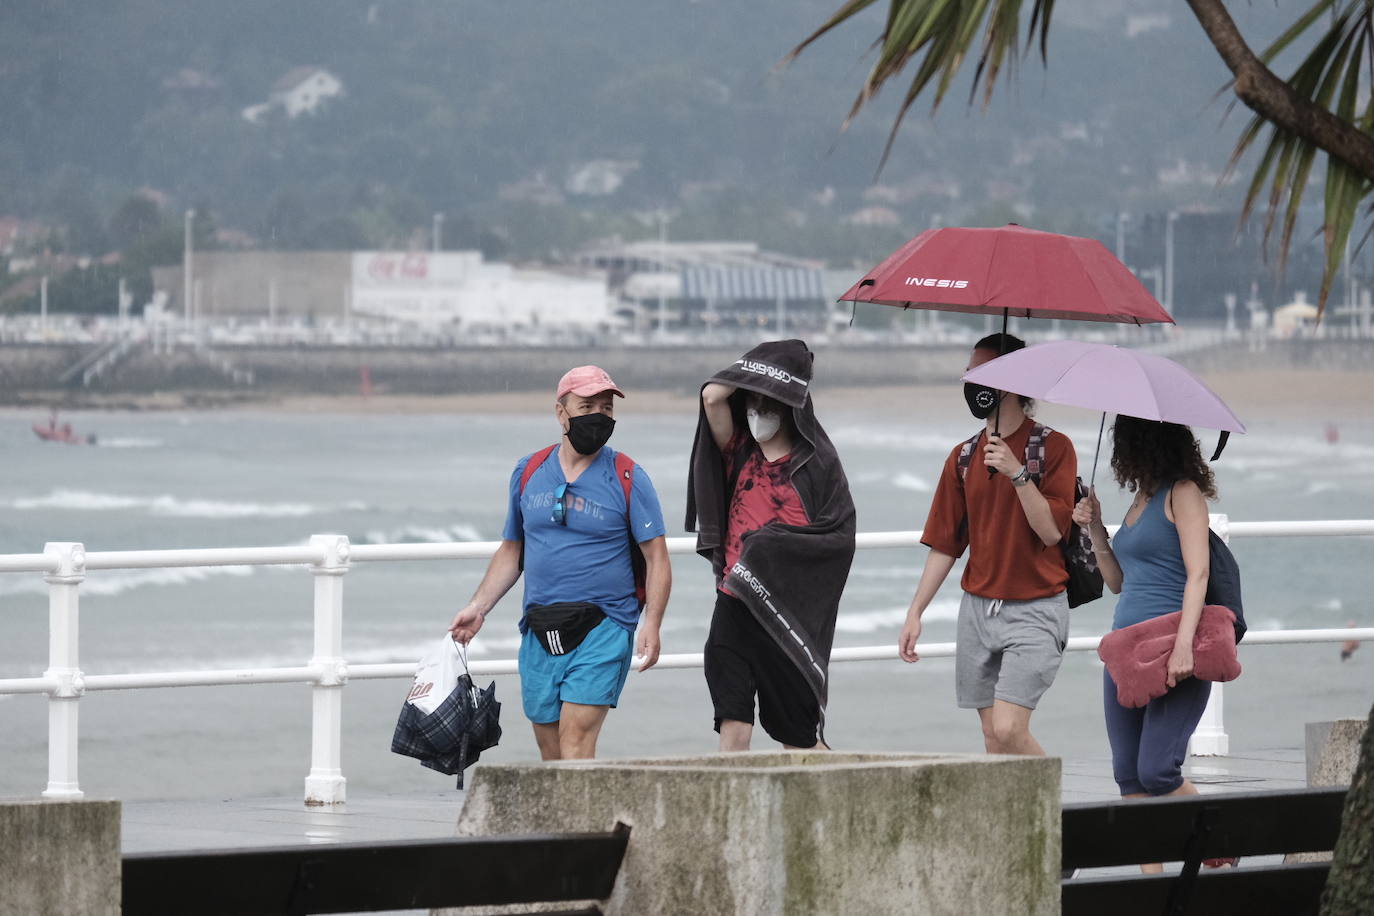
[[436, 676]]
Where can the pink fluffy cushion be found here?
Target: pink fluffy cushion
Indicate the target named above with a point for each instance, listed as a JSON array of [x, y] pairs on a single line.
[[1137, 657]]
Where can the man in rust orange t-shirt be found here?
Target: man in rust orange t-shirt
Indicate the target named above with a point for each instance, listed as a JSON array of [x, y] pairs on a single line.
[[1014, 617]]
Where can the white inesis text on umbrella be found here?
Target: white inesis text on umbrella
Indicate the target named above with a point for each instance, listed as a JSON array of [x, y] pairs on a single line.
[[936, 281]]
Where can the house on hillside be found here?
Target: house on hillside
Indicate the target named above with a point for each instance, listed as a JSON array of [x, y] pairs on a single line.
[[17, 234], [189, 80], [599, 177], [304, 89], [301, 91], [874, 216]]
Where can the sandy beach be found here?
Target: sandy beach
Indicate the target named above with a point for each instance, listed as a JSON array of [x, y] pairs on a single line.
[[1299, 393], [1339, 397]]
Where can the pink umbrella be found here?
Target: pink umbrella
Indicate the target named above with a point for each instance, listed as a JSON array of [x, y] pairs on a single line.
[[1113, 380]]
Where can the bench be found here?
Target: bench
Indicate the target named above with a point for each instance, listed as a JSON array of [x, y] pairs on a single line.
[[370, 877], [1189, 829]]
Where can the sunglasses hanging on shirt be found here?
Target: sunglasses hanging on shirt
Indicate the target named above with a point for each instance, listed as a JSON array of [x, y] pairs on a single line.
[[560, 505]]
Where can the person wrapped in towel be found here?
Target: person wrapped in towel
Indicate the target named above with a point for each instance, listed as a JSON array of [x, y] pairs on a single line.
[[768, 499]]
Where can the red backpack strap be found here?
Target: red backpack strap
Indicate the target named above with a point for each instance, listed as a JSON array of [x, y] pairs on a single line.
[[966, 454], [1035, 450], [625, 472], [533, 464]]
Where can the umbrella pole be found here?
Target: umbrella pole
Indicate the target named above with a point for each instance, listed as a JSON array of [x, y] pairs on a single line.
[[1001, 351], [1092, 481], [997, 404]]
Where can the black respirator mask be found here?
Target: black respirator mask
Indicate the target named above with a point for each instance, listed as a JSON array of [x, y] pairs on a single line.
[[589, 432], [982, 400]]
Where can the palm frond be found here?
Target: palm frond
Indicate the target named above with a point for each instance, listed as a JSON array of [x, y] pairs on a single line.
[[940, 35], [1330, 77]]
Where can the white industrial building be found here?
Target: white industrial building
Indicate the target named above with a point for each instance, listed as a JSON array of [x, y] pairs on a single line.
[[451, 290], [460, 289]]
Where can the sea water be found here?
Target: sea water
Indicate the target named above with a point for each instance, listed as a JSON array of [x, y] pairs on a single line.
[[166, 480]]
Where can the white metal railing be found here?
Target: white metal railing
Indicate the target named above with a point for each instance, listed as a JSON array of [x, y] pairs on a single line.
[[329, 558]]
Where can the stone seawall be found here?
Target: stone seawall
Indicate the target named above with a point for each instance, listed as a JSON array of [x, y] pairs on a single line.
[[29, 374], [1284, 355], [283, 370]]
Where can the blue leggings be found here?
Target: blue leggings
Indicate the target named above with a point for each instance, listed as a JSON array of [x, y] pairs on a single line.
[[1149, 744]]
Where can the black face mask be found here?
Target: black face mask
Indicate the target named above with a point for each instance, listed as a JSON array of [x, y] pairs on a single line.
[[589, 432], [982, 400]]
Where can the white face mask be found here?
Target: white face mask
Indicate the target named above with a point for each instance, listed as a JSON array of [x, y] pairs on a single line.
[[763, 425]]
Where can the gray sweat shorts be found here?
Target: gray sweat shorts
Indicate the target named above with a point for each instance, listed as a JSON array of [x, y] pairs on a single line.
[[1008, 650]]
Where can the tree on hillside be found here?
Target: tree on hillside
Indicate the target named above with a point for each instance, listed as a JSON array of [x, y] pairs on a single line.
[[136, 219], [1325, 106]]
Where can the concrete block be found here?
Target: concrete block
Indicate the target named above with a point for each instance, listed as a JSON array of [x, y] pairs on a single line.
[[59, 857], [800, 833], [1333, 751]]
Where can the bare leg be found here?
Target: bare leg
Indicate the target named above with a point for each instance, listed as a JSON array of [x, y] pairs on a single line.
[[735, 735], [1154, 868], [1011, 730], [578, 728], [818, 746], [989, 736], [546, 736]]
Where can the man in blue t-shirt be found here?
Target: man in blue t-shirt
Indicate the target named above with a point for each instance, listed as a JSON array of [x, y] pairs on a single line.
[[569, 527]]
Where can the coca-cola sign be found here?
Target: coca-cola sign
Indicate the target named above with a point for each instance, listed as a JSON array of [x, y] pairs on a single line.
[[389, 267]]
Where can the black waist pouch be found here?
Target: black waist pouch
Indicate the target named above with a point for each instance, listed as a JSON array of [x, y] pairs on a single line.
[[560, 628]]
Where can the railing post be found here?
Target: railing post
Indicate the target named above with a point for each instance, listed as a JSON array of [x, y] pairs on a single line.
[[1210, 738], [64, 669], [325, 784]]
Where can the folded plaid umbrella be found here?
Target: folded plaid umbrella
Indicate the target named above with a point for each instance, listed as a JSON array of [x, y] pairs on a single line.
[[451, 738]]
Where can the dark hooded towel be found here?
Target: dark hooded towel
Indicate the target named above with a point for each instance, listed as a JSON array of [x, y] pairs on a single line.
[[790, 576]]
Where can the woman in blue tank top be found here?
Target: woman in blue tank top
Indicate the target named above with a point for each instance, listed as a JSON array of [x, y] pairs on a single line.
[[1158, 565]]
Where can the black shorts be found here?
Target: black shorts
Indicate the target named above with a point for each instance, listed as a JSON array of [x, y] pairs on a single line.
[[743, 660]]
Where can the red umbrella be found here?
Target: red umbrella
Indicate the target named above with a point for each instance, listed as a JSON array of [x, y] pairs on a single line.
[[1009, 271], [1012, 271]]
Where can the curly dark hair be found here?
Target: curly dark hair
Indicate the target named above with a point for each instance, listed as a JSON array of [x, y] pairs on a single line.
[[1147, 455]]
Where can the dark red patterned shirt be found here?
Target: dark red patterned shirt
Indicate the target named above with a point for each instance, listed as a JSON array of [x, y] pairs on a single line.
[[763, 493]]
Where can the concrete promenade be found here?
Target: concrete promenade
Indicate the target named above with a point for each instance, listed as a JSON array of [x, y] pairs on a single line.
[[181, 825]]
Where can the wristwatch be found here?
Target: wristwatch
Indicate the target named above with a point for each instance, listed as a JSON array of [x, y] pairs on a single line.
[[1022, 477]]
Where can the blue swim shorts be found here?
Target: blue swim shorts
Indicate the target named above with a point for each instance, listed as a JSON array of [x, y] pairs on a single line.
[[592, 674]]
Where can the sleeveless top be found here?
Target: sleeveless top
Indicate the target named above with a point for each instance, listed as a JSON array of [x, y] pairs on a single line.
[[1151, 560]]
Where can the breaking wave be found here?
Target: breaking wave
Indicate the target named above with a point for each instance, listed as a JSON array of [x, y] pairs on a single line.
[[168, 506], [905, 481], [129, 442], [118, 581], [423, 534], [893, 618]]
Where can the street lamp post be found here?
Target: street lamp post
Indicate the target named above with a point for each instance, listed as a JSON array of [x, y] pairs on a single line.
[[187, 253], [1169, 261], [662, 268], [438, 231], [1122, 217]]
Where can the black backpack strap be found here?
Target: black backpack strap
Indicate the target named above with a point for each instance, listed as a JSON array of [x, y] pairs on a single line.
[[1035, 451], [964, 460], [966, 454]]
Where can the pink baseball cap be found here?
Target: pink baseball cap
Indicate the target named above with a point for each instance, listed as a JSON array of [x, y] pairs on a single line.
[[585, 381]]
